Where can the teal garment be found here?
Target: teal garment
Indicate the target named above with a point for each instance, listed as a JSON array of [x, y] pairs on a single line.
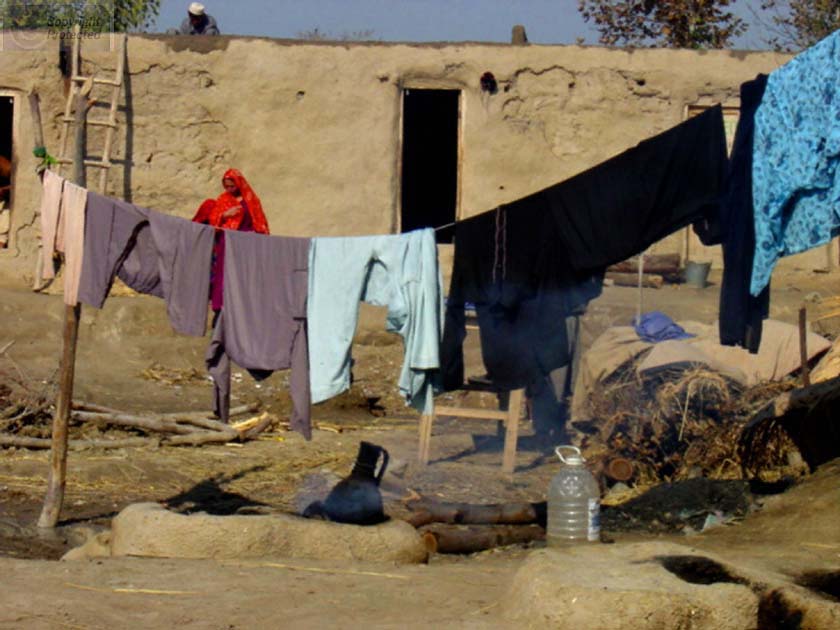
[[398, 271], [796, 159]]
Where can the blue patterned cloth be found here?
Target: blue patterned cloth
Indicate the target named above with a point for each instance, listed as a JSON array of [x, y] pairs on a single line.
[[796, 149]]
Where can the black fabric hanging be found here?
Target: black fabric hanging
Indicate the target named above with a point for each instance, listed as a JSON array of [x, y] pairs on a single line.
[[531, 263], [741, 314]]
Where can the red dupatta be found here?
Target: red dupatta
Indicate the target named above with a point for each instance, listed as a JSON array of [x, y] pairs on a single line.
[[225, 201], [205, 211]]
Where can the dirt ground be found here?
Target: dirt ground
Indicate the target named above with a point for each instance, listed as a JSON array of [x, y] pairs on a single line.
[[129, 359]]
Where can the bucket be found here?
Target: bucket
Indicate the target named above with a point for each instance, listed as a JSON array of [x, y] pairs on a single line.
[[697, 273]]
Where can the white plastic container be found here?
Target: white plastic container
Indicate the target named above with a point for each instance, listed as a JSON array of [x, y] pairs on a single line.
[[574, 502]]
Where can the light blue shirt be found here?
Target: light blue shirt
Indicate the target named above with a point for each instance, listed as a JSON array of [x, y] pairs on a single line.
[[397, 271]]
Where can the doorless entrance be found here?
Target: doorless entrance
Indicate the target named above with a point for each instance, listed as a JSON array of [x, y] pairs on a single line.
[[430, 160]]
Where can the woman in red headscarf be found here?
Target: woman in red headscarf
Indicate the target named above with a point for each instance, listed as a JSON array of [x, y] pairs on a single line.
[[237, 208]]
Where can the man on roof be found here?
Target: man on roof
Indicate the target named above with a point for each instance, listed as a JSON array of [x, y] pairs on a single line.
[[198, 21]]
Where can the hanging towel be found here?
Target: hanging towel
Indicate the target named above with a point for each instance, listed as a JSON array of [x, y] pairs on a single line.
[[50, 209], [71, 238], [397, 271], [796, 153], [262, 326]]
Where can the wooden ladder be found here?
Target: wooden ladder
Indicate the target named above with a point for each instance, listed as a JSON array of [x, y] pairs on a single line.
[[84, 85]]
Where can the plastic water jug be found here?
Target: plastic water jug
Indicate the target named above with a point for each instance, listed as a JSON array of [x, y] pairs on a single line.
[[574, 501]]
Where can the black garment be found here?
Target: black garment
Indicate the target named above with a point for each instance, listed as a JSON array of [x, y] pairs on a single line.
[[550, 394], [507, 263], [622, 206], [741, 314], [532, 263]]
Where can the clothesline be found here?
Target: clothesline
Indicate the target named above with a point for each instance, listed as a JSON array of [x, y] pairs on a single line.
[[260, 326], [449, 225]]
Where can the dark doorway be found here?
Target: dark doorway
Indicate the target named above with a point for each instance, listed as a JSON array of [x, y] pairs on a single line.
[[6, 132], [430, 160]]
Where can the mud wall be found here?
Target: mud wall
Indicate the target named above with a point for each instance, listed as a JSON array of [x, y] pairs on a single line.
[[316, 126]]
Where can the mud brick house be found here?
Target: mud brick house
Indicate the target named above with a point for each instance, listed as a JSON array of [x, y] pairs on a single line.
[[358, 138]]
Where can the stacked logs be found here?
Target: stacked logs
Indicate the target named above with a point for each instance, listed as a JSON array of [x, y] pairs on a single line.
[[460, 528], [163, 429], [657, 269]]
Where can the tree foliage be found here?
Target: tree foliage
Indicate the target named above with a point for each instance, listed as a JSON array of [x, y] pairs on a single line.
[[663, 23], [798, 24], [91, 15]]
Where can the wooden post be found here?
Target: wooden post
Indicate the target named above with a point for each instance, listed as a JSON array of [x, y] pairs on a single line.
[[38, 136], [58, 453], [803, 347], [641, 292], [512, 431]]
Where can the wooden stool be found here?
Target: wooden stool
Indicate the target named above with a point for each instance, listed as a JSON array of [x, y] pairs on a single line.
[[509, 417]]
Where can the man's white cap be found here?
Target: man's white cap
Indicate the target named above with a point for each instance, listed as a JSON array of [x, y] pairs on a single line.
[[196, 8]]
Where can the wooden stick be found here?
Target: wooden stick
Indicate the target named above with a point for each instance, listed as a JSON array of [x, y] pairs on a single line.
[[143, 591], [803, 346], [662, 264], [84, 406], [202, 423], [258, 428], [138, 422], [205, 437], [176, 415], [58, 456], [428, 511], [512, 431], [473, 538], [235, 411], [165, 423], [424, 442], [294, 567], [38, 283], [112, 114], [632, 280], [75, 445], [641, 287], [35, 112], [188, 439]]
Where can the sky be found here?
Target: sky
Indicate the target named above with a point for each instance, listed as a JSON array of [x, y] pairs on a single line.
[[545, 21]]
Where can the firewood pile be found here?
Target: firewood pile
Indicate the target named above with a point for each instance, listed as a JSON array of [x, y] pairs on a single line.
[[657, 269], [679, 424], [27, 408]]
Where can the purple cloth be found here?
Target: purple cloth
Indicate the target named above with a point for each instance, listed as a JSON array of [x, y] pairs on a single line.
[[111, 228], [262, 326], [153, 253], [655, 326]]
